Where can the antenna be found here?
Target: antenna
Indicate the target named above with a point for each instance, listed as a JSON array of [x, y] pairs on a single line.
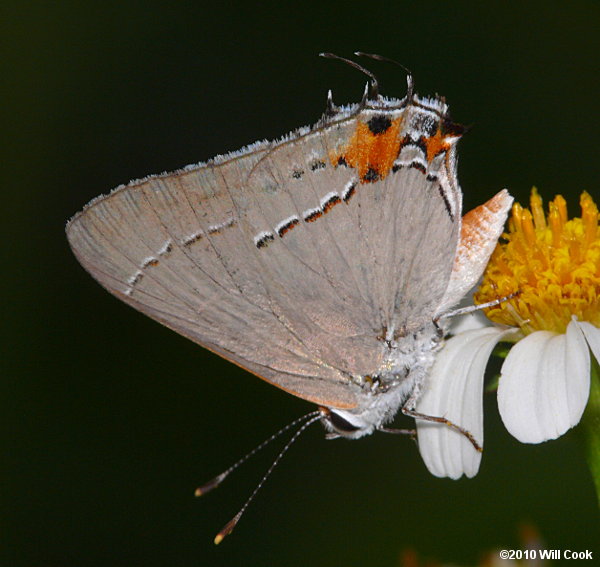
[[216, 481], [409, 75], [374, 82], [228, 528], [308, 419], [384, 59]]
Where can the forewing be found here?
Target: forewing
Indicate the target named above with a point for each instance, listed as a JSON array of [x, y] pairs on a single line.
[[175, 248]]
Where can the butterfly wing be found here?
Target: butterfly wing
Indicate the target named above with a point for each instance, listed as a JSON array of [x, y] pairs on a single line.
[[376, 264], [167, 247], [281, 259]]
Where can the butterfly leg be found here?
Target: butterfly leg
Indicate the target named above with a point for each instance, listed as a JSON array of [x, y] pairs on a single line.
[[417, 415], [412, 433], [472, 308]]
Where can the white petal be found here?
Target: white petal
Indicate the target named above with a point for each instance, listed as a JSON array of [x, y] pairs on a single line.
[[454, 390], [592, 336], [545, 385]]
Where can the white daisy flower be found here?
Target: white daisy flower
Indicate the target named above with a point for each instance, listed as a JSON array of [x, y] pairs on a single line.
[[553, 265]]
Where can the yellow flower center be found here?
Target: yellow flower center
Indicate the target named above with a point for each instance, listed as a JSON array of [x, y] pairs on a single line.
[[551, 262]]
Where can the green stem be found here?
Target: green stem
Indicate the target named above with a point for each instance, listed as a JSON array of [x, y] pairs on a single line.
[[591, 425]]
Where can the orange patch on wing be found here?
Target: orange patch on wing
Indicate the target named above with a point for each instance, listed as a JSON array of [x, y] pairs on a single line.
[[435, 144], [369, 152]]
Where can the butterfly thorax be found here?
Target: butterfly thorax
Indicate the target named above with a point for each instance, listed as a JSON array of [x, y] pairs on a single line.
[[398, 383]]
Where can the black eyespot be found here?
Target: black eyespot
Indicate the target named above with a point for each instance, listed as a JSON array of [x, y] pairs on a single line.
[[379, 124], [264, 241], [371, 175]]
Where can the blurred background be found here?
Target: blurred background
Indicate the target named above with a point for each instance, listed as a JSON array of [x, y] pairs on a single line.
[[110, 421]]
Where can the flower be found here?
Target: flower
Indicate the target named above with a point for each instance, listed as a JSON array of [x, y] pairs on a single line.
[[549, 268]]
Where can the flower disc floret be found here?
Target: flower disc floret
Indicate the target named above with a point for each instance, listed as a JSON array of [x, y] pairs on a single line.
[[551, 262]]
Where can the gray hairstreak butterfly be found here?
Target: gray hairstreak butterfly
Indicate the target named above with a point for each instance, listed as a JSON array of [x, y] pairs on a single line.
[[322, 262]]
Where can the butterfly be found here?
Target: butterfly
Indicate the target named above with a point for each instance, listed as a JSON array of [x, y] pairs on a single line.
[[323, 262]]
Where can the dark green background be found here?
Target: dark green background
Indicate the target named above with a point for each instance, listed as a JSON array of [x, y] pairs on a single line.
[[109, 421]]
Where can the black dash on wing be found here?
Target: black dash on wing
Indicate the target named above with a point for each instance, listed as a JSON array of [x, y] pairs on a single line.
[[317, 164], [408, 141], [330, 203], [136, 278], [287, 226], [312, 215], [263, 239], [217, 228], [371, 175], [166, 249], [349, 191], [149, 262], [193, 238], [446, 202], [419, 166], [342, 161], [432, 177], [379, 124], [297, 173], [396, 167]]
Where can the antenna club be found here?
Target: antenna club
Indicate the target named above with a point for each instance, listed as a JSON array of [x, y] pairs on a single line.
[[211, 485], [227, 529]]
